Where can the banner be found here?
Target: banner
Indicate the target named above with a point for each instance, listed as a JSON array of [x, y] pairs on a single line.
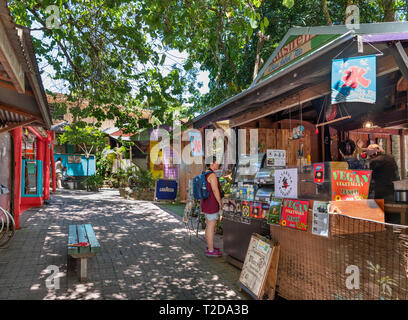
[[294, 214], [354, 80], [286, 183], [350, 184], [166, 189]]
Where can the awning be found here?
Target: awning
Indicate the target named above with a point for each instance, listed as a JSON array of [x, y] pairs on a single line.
[[22, 102]]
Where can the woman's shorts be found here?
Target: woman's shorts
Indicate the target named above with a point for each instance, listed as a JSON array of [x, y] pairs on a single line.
[[211, 216]]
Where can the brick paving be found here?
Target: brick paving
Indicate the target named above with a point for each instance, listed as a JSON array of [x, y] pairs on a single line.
[[146, 253]]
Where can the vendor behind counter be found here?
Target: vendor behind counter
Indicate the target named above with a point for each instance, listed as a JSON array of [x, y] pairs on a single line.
[[383, 166]]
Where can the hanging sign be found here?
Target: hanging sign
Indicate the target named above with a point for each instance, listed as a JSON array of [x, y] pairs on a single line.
[[350, 184], [275, 209], [354, 80], [320, 225], [294, 214], [275, 158], [286, 183], [318, 172], [196, 144]]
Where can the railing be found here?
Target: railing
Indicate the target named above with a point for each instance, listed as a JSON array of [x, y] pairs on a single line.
[[7, 227]]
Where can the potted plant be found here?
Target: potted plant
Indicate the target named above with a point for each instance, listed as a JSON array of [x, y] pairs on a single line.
[[94, 182]]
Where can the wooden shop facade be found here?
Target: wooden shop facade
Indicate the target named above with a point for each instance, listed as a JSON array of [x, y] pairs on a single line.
[[303, 119]]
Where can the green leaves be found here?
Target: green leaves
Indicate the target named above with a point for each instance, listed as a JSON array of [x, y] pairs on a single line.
[[288, 3]]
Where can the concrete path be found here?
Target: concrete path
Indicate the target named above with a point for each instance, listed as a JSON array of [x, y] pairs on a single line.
[[145, 254]]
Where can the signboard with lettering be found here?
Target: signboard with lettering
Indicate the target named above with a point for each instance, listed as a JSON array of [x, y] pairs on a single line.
[[166, 189], [354, 80], [294, 214], [350, 184], [256, 266], [295, 47]]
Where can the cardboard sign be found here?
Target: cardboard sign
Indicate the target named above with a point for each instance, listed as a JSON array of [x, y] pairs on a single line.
[[294, 214], [318, 173], [286, 183], [354, 80], [275, 209], [350, 184]]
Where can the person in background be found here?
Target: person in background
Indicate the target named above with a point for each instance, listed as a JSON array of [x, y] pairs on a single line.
[[211, 208], [347, 150], [59, 168], [384, 172]]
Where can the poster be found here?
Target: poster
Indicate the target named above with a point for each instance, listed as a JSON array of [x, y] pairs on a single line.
[[196, 144], [246, 209], [255, 268], [256, 210], [286, 183], [294, 214], [275, 158], [350, 184], [275, 209], [354, 80], [320, 224]]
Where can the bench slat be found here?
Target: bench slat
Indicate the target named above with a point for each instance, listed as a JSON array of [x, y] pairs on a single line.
[[72, 238], [95, 247], [82, 238]]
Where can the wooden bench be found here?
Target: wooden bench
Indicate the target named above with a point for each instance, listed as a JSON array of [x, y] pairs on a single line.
[[82, 233]]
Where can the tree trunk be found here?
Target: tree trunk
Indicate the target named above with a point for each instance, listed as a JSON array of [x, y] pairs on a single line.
[[326, 13], [389, 10]]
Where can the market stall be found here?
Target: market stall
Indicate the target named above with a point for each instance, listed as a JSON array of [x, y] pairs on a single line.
[[336, 239]]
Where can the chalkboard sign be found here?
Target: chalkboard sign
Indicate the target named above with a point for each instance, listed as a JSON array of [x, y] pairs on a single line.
[[259, 272]]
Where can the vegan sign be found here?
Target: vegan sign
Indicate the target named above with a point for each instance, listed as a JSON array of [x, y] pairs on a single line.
[[350, 184], [354, 80], [294, 214]]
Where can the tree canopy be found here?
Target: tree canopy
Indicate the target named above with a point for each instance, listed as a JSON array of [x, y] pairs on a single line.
[[114, 53]]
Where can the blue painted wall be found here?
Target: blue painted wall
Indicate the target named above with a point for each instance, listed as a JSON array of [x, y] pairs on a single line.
[[77, 169]]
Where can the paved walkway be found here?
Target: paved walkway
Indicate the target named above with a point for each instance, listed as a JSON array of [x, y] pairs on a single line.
[[145, 253]]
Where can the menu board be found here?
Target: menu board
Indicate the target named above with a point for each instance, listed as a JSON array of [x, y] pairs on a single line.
[[320, 225], [294, 214], [256, 265], [275, 158], [350, 184], [286, 183]]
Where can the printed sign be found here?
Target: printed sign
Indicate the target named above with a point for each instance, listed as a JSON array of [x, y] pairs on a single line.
[[256, 210], [196, 144], [286, 183], [319, 173], [275, 158], [166, 189], [320, 224], [354, 80], [246, 209], [255, 268], [350, 184], [294, 214], [275, 208]]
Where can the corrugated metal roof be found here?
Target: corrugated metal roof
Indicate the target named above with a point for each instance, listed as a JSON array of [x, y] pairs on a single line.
[[7, 116]]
